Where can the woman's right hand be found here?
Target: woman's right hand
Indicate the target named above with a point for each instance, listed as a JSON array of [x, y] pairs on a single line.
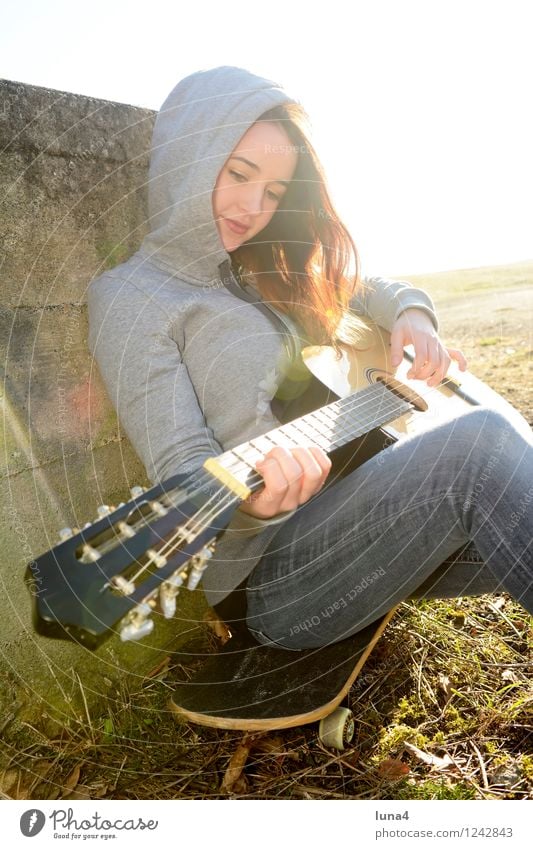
[[291, 476]]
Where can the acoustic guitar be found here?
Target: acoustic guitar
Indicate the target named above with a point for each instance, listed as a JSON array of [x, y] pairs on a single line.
[[118, 573]]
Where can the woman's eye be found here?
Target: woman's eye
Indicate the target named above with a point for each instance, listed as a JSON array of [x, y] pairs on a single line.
[[240, 177]]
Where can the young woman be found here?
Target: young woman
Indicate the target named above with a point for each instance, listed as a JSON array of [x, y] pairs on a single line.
[[197, 333]]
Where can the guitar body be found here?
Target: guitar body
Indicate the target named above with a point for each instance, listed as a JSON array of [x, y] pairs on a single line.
[[333, 378], [357, 369]]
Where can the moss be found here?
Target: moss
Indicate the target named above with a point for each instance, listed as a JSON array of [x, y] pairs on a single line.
[[431, 789], [408, 709], [111, 254], [459, 722], [439, 739], [525, 763], [393, 738]]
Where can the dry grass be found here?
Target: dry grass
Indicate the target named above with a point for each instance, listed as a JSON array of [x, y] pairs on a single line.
[[444, 706]]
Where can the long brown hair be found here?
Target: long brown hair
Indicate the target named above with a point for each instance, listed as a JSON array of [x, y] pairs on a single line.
[[305, 261]]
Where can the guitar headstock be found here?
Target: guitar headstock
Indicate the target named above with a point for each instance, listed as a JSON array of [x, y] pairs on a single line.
[[114, 573]]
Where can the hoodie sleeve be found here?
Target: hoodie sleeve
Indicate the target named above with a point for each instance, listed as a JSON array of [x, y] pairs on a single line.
[[149, 386], [146, 379], [384, 300]]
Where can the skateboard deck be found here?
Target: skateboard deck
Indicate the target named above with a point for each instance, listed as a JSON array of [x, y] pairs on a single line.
[[262, 688]]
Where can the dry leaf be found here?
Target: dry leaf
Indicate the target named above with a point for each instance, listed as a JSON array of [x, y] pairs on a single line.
[[98, 789], [218, 626], [8, 780], [159, 668], [507, 775], [351, 758], [428, 758], [444, 683], [269, 745], [82, 791], [21, 782], [236, 765], [391, 768], [72, 780], [509, 675], [241, 785]]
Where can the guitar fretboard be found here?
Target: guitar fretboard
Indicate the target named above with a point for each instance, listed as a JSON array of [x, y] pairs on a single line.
[[329, 427]]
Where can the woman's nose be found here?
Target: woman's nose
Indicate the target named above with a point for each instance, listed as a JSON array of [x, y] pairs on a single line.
[[251, 199]]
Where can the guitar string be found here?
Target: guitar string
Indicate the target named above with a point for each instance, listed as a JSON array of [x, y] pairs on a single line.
[[213, 509]]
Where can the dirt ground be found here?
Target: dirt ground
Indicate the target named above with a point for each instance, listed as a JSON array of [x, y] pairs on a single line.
[[494, 330]]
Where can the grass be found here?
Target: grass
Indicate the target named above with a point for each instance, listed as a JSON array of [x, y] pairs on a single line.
[[443, 711], [444, 705]]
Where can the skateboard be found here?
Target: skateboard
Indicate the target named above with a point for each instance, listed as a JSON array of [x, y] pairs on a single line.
[[252, 687]]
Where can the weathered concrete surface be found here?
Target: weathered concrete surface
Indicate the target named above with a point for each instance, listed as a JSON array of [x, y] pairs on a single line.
[[72, 189], [72, 195]]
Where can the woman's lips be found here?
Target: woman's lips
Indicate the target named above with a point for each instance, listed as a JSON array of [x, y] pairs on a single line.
[[237, 228]]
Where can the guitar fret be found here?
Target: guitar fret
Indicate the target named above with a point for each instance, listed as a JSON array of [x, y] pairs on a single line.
[[328, 431], [332, 423], [331, 414], [387, 413], [341, 428], [280, 438], [261, 443], [240, 456], [298, 433], [311, 433]]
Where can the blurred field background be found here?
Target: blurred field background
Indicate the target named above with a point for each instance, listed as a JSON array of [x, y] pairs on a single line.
[[488, 314]]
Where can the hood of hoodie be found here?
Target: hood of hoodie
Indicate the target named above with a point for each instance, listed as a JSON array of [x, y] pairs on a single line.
[[196, 129]]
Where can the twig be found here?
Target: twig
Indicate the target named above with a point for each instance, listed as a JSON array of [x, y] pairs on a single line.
[[481, 765], [504, 617]]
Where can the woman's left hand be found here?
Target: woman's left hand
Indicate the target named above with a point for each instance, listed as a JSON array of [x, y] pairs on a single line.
[[432, 359]]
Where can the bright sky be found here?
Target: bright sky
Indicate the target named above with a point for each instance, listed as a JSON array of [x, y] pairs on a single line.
[[419, 107]]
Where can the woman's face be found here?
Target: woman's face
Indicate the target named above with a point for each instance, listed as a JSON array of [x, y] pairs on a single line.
[[252, 183]]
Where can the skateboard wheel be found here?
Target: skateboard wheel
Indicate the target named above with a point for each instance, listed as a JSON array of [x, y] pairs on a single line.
[[337, 729]]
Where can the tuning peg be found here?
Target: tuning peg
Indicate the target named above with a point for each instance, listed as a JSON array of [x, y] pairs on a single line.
[[65, 533], [137, 624], [103, 510], [137, 632], [168, 592], [136, 491], [200, 562], [167, 601]]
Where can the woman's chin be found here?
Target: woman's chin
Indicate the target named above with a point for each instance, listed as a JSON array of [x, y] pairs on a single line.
[[232, 245]]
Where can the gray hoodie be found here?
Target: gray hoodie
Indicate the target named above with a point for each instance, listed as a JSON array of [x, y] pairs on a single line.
[[190, 367]]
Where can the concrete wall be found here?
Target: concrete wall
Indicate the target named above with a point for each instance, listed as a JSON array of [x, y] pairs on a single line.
[[73, 202]]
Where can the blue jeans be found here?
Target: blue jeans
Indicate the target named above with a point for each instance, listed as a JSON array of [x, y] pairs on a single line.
[[384, 532]]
